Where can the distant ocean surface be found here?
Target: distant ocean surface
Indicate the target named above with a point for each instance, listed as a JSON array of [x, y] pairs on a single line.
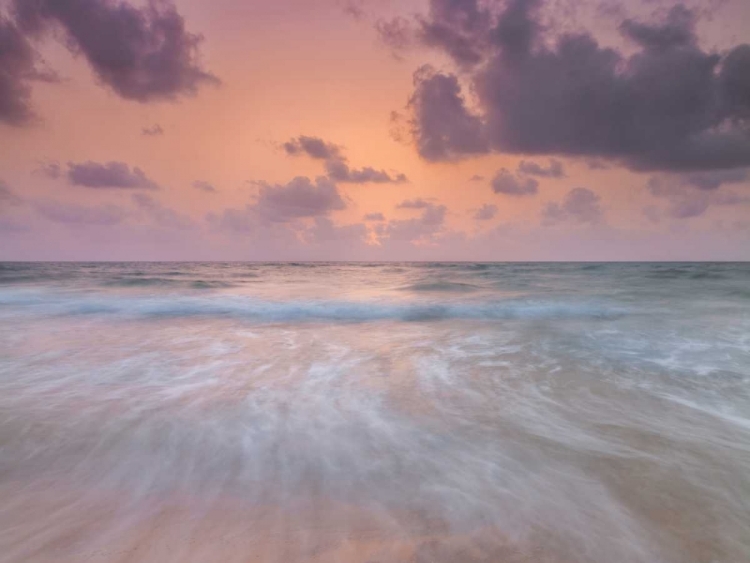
[[375, 413]]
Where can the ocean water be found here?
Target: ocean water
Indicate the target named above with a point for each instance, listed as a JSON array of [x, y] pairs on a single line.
[[375, 413]]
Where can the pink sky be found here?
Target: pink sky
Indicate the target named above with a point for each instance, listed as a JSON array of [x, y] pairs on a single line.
[[228, 173]]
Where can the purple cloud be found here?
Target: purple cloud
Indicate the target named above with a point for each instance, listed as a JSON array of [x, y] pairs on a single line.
[[204, 186], [374, 217], [50, 170], [339, 171], [397, 33], [580, 205], [336, 163], [323, 230], [300, 198], [444, 127], [507, 183], [17, 69], [553, 170], [419, 229], [142, 53], [417, 203], [691, 195], [485, 213], [72, 214], [314, 147], [671, 105], [153, 131], [161, 215], [8, 196], [115, 175]]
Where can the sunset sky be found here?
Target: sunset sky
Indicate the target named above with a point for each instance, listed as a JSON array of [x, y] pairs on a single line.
[[374, 130]]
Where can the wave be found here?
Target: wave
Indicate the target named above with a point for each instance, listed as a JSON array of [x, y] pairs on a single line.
[[136, 282], [442, 286], [236, 307]]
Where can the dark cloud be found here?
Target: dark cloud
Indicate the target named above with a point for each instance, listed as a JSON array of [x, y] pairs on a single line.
[[687, 208], [486, 212], [671, 105], [277, 209], [417, 203], [714, 179], [116, 175], [354, 9], [71, 214], [677, 31], [735, 81], [153, 131], [17, 69], [142, 53], [553, 170], [444, 127], [300, 198], [314, 147], [507, 183], [336, 163], [397, 33], [691, 195], [457, 27], [419, 229], [204, 186], [580, 205], [476, 178], [339, 171], [374, 217]]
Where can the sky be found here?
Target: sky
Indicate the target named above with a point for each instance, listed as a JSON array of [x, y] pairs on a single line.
[[375, 130]]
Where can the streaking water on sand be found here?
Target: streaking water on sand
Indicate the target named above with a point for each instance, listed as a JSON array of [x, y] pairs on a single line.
[[375, 412]]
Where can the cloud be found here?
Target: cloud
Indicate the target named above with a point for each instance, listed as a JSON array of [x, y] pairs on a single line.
[[397, 33], [115, 175], [420, 229], [142, 53], [692, 194], [339, 171], [72, 214], [50, 170], [444, 129], [713, 180], [476, 178], [507, 183], [323, 230], [17, 69], [8, 197], [670, 105], [153, 131], [374, 217], [486, 212], [204, 186], [417, 203], [163, 216], [456, 26], [336, 163], [580, 205], [553, 170], [300, 198], [314, 147], [354, 9]]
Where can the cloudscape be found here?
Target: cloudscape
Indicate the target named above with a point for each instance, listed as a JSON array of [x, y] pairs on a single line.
[[294, 130]]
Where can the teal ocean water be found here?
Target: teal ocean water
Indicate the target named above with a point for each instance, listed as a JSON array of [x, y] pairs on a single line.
[[375, 412]]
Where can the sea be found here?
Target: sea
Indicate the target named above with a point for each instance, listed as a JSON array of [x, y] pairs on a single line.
[[375, 412]]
